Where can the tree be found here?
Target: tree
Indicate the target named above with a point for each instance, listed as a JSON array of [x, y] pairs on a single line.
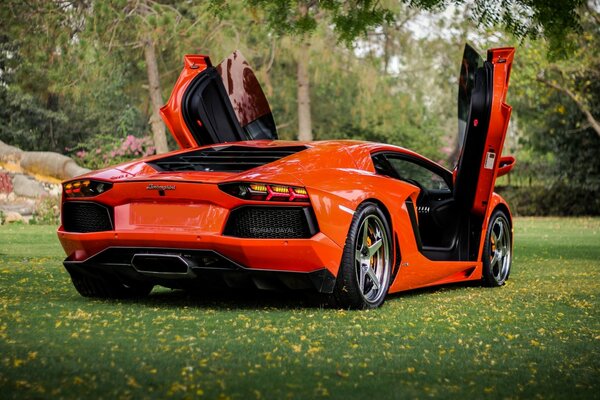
[[58, 86], [133, 26], [154, 88], [34, 38], [557, 103], [353, 18], [576, 79], [107, 66], [301, 17]]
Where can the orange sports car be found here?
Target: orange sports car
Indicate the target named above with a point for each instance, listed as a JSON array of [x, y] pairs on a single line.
[[237, 207]]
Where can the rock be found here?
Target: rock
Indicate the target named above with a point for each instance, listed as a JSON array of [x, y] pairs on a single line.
[[23, 207], [52, 164], [24, 186], [10, 155], [11, 197], [41, 162], [3, 197], [12, 217], [8, 150]]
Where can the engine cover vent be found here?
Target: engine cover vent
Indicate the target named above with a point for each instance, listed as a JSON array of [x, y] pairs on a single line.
[[224, 159]]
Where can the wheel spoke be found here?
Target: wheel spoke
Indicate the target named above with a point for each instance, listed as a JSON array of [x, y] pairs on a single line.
[[496, 269], [373, 278], [494, 259], [358, 255], [365, 233], [500, 225], [374, 248], [361, 278]]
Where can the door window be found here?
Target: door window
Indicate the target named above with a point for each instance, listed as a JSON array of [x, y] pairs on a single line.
[[410, 171]]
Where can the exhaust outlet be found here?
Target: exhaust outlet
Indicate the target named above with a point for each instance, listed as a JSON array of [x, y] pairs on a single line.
[[166, 266]]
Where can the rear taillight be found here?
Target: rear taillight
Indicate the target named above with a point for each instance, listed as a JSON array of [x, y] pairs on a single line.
[[85, 188], [266, 192]]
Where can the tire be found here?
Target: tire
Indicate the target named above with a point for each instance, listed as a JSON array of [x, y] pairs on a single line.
[[497, 251], [364, 275], [104, 289]]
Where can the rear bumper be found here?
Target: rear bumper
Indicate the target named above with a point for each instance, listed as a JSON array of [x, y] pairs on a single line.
[[180, 268], [315, 260], [195, 218], [293, 255]]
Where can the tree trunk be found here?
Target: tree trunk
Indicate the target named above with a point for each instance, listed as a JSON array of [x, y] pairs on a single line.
[[387, 49], [303, 83], [156, 124]]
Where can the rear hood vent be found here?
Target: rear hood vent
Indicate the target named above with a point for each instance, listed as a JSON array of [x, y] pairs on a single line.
[[224, 159]]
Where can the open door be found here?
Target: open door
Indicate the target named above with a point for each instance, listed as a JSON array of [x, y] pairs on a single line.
[[483, 119], [218, 104]]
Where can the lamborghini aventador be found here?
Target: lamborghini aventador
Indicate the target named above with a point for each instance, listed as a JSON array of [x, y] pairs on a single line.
[[234, 206]]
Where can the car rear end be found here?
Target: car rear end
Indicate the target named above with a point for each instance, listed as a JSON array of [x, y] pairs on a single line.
[[192, 222]]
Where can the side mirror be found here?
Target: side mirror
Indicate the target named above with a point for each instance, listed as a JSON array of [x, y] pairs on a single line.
[[506, 164]]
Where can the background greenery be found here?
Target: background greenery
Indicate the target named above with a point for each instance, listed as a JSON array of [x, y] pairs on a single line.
[[73, 76], [536, 337]]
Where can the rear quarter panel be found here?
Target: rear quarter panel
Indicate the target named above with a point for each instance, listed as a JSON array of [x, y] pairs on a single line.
[[336, 194]]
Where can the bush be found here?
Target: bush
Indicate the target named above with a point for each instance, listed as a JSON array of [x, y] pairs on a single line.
[[104, 150], [47, 212], [559, 199]]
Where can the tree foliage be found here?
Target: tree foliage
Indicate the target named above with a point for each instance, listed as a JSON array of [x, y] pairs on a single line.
[[73, 73], [350, 19], [558, 140]]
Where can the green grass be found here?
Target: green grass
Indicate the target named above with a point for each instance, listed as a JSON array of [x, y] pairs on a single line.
[[539, 336]]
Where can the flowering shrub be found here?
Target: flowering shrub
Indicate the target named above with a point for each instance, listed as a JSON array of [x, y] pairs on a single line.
[[104, 150], [47, 212]]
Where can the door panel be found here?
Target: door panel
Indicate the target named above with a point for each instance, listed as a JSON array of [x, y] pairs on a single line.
[[247, 97], [483, 87], [218, 104], [207, 111], [475, 98], [171, 112], [501, 59]]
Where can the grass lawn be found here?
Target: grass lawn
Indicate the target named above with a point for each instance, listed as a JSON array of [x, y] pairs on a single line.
[[538, 336]]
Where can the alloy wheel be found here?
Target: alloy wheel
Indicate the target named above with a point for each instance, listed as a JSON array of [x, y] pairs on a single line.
[[500, 249], [372, 259]]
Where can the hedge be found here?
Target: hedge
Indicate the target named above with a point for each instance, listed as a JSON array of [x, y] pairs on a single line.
[[557, 200]]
